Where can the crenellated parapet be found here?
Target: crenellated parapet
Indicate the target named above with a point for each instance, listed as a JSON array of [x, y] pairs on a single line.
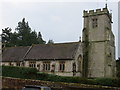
[[97, 12]]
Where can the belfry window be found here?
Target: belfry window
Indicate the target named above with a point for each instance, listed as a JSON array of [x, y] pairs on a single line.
[[94, 22]]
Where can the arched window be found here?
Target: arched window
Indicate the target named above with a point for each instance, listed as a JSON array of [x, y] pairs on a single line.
[[74, 69], [79, 63]]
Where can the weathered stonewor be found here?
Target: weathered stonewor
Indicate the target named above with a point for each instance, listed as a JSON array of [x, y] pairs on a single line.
[[17, 84]]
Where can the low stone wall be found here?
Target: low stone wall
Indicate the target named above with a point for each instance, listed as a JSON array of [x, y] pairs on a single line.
[[17, 84]]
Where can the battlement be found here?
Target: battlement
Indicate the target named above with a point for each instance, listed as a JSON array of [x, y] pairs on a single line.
[[96, 12]]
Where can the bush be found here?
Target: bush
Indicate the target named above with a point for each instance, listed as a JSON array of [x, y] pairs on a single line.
[[32, 73], [118, 68], [108, 81], [19, 72], [104, 81], [91, 81], [55, 78]]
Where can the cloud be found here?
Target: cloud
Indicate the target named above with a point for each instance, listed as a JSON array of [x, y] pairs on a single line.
[[56, 18], [58, 0]]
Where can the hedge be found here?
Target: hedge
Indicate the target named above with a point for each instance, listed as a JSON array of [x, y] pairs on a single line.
[[32, 73], [19, 72], [94, 81]]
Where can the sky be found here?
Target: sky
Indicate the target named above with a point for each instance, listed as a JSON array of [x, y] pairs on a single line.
[[59, 20]]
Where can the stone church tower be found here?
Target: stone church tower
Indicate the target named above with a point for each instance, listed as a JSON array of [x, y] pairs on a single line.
[[98, 44]]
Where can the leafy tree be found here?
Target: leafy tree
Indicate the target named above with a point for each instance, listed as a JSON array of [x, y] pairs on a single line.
[[50, 42], [6, 35], [9, 39]]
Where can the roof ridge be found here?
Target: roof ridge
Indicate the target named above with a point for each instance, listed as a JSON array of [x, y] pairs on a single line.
[[15, 47], [57, 43], [27, 51], [44, 44], [67, 43]]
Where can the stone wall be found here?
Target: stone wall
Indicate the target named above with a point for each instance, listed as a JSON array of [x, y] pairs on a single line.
[[98, 34], [17, 84], [68, 66], [66, 72], [96, 59]]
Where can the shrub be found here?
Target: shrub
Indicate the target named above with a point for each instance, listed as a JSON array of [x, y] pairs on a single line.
[[104, 81], [108, 81], [118, 68], [19, 72], [32, 73]]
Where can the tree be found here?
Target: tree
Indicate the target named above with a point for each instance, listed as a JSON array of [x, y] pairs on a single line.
[[50, 42], [9, 39], [23, 36], [26, 36], [34, 39], [14, 39], [24, 33], [6, 34], [39, 38]]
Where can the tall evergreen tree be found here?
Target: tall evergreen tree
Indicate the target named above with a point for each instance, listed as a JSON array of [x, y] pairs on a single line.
[[23, 36], [14, 39], [34, 37], [39, 38], [24, 33], [26, 36]]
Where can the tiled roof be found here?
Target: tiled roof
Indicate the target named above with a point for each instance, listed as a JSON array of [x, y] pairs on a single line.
[[59, 51], [14, 53]]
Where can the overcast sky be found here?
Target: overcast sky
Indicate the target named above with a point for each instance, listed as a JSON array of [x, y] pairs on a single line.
[[57, 20]]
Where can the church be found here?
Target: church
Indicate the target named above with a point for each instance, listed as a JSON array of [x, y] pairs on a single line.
[[94, 56]]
